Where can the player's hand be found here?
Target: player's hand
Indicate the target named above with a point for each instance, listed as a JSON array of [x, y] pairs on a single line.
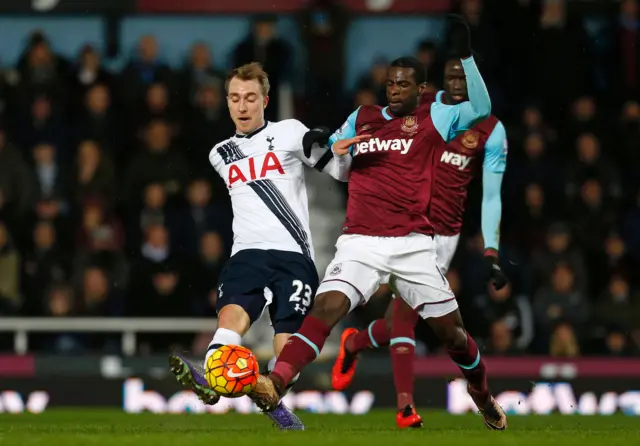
[[317, 135], [460, 36], [341, 147], [495, 272]]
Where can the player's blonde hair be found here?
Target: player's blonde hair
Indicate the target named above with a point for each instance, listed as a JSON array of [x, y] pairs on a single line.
[[250, 72]]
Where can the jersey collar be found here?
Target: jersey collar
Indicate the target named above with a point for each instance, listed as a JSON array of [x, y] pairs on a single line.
[[439, 96], [255, 132]]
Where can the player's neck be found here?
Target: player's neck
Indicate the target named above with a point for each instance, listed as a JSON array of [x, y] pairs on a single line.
[[261, 126]]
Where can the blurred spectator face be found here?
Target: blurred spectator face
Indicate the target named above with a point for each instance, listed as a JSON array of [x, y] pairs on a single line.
[[553, 13], [3, 235], [98, 100], [455, 283], [157, 236], [44, 154], [534, 146], [471, 9], [588, 148], [591, 193], [562, 279], [629, 9], [618, 288], [148, 49], [47, 209], [501, 337], [616, 342], [264, 30], [200, 56], [90, 59], [95, 284], [564, 341], [534, 196], [155, 196], [199, 193], [379, 73], [60, 301], [631, 111], [426, 54], [44, 236], [246, 103], [532, 117], [558, 240], [614, 246], [40, 55], [165, 283], [499, 295], [455, 82], [88, 155], [209, 97], [157, 98], [158, 137], [584, 109], [211, 246], [41, 109], [92, 216], [365, 97]]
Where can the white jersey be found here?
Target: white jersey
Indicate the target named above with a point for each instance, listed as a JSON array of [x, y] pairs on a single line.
[[264, 173]]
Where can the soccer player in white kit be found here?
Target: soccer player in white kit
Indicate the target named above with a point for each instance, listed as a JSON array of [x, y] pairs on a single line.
[[272, 259]]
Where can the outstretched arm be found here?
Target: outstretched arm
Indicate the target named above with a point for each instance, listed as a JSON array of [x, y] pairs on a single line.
[[495, 162], [450, 120]]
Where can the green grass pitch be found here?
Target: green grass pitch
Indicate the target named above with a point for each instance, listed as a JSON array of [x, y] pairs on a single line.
[[104, 427]]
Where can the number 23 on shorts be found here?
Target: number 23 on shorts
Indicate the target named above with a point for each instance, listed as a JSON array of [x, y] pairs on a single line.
[[301, 296]]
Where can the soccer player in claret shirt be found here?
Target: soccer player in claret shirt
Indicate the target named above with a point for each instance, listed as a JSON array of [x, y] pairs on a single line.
[[387, 235], [482, 148]]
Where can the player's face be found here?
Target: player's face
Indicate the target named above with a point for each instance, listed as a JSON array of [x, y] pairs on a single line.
[[402, 91], [246, 105], [455, 82]]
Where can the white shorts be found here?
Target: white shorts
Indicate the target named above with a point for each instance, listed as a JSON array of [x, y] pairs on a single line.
[[408, 264], [446, 246]]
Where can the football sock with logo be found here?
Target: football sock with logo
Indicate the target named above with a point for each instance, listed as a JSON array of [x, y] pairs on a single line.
[[402, 346], [222, 336], [374, 336], [471, 365], [301, 349]]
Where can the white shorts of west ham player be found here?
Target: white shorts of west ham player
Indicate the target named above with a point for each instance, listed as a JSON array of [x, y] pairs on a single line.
[[446, 246], [409, 264]]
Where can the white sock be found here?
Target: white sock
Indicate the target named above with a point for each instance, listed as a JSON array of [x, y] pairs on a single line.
[[223, 336]]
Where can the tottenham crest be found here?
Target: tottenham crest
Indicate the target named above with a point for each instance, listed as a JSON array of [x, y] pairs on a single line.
[[337, 269], [410, 124], [470, 139]]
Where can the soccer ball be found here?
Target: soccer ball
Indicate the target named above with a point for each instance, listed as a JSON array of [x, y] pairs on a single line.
[[232, 371]]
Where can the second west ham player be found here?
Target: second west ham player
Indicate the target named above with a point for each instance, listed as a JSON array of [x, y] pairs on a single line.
[[387, 235], [483, 148]]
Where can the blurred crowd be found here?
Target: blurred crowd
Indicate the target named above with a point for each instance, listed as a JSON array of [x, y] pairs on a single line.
[[108, 206]]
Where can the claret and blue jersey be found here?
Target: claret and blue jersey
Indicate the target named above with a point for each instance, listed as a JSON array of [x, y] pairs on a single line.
[[401, 145]]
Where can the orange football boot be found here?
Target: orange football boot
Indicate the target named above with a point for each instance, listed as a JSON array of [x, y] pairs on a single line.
[[345, 366], [408, 417]]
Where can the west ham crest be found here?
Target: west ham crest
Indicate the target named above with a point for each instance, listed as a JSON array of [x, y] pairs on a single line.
[[410, 124], [470, 139]]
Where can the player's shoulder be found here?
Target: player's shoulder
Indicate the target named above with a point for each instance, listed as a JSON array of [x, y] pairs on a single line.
[[288, 125], [367, 113], [487, 125], [217, 151]]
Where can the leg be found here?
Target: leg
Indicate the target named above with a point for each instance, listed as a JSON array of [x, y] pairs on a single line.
[[426, 289], [346, 284], [402, 348], [240, 302]]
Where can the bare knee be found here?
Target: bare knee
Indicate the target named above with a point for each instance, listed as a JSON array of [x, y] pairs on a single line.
[[234, 317], [450, 330], [331, 307]]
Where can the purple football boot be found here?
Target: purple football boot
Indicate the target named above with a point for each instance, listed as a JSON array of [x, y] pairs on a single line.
[[285, 419], [192, 377]]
